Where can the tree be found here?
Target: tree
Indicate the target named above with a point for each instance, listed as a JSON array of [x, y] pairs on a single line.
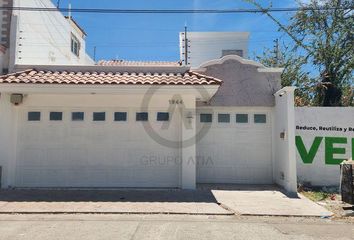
[[293, 74], [323, 35]]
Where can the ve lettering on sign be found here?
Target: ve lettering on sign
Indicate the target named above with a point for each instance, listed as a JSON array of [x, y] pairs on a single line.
[[309, 155]]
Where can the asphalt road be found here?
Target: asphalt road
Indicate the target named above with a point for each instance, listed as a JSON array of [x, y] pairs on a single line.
[[165, 227]]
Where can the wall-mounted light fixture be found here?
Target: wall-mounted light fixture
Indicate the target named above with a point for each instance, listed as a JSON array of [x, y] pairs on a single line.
[[282, 94], [16, 99]]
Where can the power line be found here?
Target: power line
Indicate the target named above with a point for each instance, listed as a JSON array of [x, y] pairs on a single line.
[[145, 44], [175, 11]]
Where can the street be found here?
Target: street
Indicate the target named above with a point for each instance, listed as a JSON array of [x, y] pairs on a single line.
[[45, 227]]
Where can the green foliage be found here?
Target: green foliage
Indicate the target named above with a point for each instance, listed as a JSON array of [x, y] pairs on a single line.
[[293, 74], [324, 42], [317, 196]]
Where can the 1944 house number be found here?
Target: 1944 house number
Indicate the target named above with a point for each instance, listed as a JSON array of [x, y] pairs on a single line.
[[176, 102]]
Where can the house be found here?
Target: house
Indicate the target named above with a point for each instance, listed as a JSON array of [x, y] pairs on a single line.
[[35, 38], [199, 47], [67, 122], [146, 126]]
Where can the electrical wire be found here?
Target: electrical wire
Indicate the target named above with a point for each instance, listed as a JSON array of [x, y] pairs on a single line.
[[175, 11], [99, 27]]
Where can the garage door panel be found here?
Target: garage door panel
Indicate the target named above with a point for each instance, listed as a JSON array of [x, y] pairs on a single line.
[[31, 157], [27, 177], [241, 153], [90, 154]]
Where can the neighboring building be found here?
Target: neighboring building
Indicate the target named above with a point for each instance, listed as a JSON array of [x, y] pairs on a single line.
[[200, 47], [138, 63], [5, 24], [39, 38]]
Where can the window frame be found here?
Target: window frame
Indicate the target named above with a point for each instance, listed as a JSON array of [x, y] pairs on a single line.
[[244, 114], [204, 114], [28, 116], [141, 120], [77, 120], [260, 114], [228, 114], [120, 121], [159, 113], [229, 52], [75, 44], [56, 120], [98, 121]]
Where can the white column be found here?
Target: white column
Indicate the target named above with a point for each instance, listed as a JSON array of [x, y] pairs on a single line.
[[188, 138], [292, 178], [284, 162], [8, 137]]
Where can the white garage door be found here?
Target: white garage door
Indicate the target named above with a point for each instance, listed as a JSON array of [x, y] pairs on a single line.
[[67, 153], [236, 151]]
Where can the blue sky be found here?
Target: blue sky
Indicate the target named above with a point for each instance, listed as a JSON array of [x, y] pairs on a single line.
[[155, 37]]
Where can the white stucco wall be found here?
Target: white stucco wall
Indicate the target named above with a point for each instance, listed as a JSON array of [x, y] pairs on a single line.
[[44, 37], [322, 169], [8, 139], [206, 46], [284, 162]]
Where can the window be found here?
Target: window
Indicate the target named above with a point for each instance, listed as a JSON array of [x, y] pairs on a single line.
[[34, 116], [75, 45], [260, 118], [232, 52], [224, 118], [77, 116], [142, 116], [163, 116], [206, 118], [99, 116], [241, 118], [55, 116], [120, 116]]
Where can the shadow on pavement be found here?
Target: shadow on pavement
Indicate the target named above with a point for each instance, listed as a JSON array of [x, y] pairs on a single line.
[[38, 195]]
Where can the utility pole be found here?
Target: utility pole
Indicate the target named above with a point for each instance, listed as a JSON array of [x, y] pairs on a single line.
[[276, 52], [69, 11], [185, 46], [94, 53]]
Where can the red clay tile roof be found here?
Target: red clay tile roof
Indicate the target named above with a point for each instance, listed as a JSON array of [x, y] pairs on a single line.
[[107, 78], [137, 63]]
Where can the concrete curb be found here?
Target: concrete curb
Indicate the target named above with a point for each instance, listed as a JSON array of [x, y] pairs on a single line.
[[285, 215], [161, 213], [272, 215], [118, 213]]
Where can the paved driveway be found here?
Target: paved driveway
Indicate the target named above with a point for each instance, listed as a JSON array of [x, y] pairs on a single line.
[[266, 201], [207, 200]]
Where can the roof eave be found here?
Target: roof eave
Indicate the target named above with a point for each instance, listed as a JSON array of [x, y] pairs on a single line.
[[201, 92]]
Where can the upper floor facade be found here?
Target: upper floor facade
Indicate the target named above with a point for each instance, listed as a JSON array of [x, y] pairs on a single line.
[[39, 37], [197, 48]]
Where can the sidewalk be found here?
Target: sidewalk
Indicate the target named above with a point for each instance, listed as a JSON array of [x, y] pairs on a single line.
[[111, 201], [207, 200]]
